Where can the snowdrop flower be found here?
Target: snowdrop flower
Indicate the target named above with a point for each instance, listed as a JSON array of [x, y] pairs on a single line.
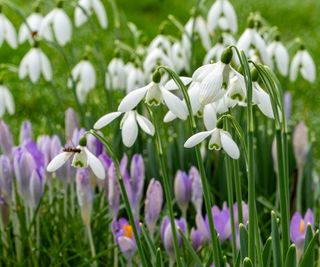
[[135, 78], [7, 32], [57, 26], [116, 75], [34, 22], [302, 62], [6, 101], [82, 158], [279, 53], [154, 93], [153, 59], [161, 42], [84, 75], [84, 10], [129, 125], [251, 38], [179, 57], [35, 63], [223, 16]]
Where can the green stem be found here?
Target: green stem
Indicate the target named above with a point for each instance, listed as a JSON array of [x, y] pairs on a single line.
[[124, 195], [299, 189], [91, 243], [159, 148], [237, 180]]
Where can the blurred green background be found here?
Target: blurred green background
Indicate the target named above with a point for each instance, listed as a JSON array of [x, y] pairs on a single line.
[[44, 104]]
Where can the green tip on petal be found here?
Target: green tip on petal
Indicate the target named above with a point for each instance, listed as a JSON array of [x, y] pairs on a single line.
[[226, 56], [79, 164], [156, 76], [251, 23], [83, 141]]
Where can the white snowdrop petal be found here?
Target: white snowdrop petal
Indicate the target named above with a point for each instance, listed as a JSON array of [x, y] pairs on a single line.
[[131, 100], [295, 64], [214, 14], [282, 59], [229, 146], [210, 117], [265, 103], [245, 40], [231, 16], [62, 27], [100, 12], [169, 117], [175, 104], [106, 119], [34, 64], [46, 67], [196, 139], [308, 70], [145, 124], [9, 102], [129, 130], [95, 165], [10, 33], [58, 161]]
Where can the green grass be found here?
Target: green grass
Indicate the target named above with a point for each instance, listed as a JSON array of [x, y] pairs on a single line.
[[44, 104]]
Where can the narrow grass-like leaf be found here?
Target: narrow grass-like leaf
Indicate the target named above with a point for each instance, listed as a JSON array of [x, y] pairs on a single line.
[[243, 241], [247, 263], [276, 248], [159, 262], [308, 256], [309, 235], [150, 244], [291, 257], [194, 255], [267, 252]]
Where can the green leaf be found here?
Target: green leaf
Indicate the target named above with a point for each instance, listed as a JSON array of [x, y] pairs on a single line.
[[187, 244], [159, 262], [247, 262], [266, 253], [275, 241], [150, 244], [238, 260], [243, 241], [291, 257], [308, 256], [309, 235]]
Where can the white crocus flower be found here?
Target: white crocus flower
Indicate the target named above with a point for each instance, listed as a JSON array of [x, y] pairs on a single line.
[[251, 38], [33, 64], [302, 62], [34, 22], [154, 94], [7, 32], [82, 158], [222, 15], [278, 52], [84, 76], [85, 8], [6, 101], [115, 75], [56, 25], [135, 78], [129, 125]]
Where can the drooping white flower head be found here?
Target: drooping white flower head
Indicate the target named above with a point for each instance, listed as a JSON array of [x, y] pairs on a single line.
[[279, 53], [135, 78], [35, 63], [30, 28], [6, 101], [84, 10], [223, 16], [303, 63], [115, 75], [179, 58], [7, 32], [56, 26], [82, 158], [161, 42], [84, 76], [129, 125]]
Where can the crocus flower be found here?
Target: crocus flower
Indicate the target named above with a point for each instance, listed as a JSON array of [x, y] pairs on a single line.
[[153, 204], [82, 158], [71, 123], [300, 144], [287, 104], [84, 10], [113, 191], [7, 32], [6, 101], [129, 125], [197, 239], [6, 140], [37, 183], [124, 237], [6, 176], [196, 189], [35, 63], [303, 63], [29, 28], [56, 26], [223, 16], [94, 145], [279, 53], [137, 177], [115, 75], [298, 227], [25, 132], [182, 191]]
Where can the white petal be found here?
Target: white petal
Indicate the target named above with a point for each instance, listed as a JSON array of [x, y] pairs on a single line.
[[131, 100], [82, 11], [295, 65], [229, 146], [129, 130], [101, 13], [231, 16], [58, 161], [196, 139], [62, 27], [245, 40], [95, 165], [175, 104], [308, 70], [214, 14], [282, 59], [171, 84], [169, 117], [265, 103], [10, 33], [9, 103], [34, 64], [46, 67], [106, 119], [210, 117], [145, 124]]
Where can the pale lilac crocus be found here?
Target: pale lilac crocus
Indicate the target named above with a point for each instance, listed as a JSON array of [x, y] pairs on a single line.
[[182, 191], [37, 184], [6, 176], [300, 144], [6, 140], [196, 189], [25, 132], [197, 239], [298, 227], [137, 176], [71, 122], [113, 191]]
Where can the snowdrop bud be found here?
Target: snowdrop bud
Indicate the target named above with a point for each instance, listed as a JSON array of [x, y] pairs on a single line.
[[153, 204], [300, 143], [84, 194], [197, 239], [156, 76], [137, 177], [6, 141], [287, 103], [254, 74], [37, 183], [71, 122], [6, 175], [196, 189], [182, 190], [25, 132], [226, 56], [114, 191]]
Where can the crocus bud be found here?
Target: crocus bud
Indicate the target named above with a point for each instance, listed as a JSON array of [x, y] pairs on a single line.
[[32, 148], [106, 162], [6, 141], [71, 123], [287, 104], [6, 176], [25, 132], [197, 239], [196, 189], [44, 145], [55, 146], [153, 204], [94, 145], [137, 179], [113, 191], [37, 184], [84, 194], [300, 144], [182, 190]]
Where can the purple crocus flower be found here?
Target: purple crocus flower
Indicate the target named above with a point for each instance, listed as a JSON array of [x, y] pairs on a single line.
[[300, 144], [71, 123], [84, 194], [298, 227], [166, 235], [25, 132], [113, 191], [287, 103], [197, 239], [124, 237], [94, 145], [106, 162], [37, 183], [6, 176], [182, 191], [6, 140], [153, 204], [44, 145], [137, 179], [38, 156], [196, 189], [4, 209]]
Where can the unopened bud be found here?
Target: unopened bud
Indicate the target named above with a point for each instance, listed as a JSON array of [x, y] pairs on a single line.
[[156, 76]]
